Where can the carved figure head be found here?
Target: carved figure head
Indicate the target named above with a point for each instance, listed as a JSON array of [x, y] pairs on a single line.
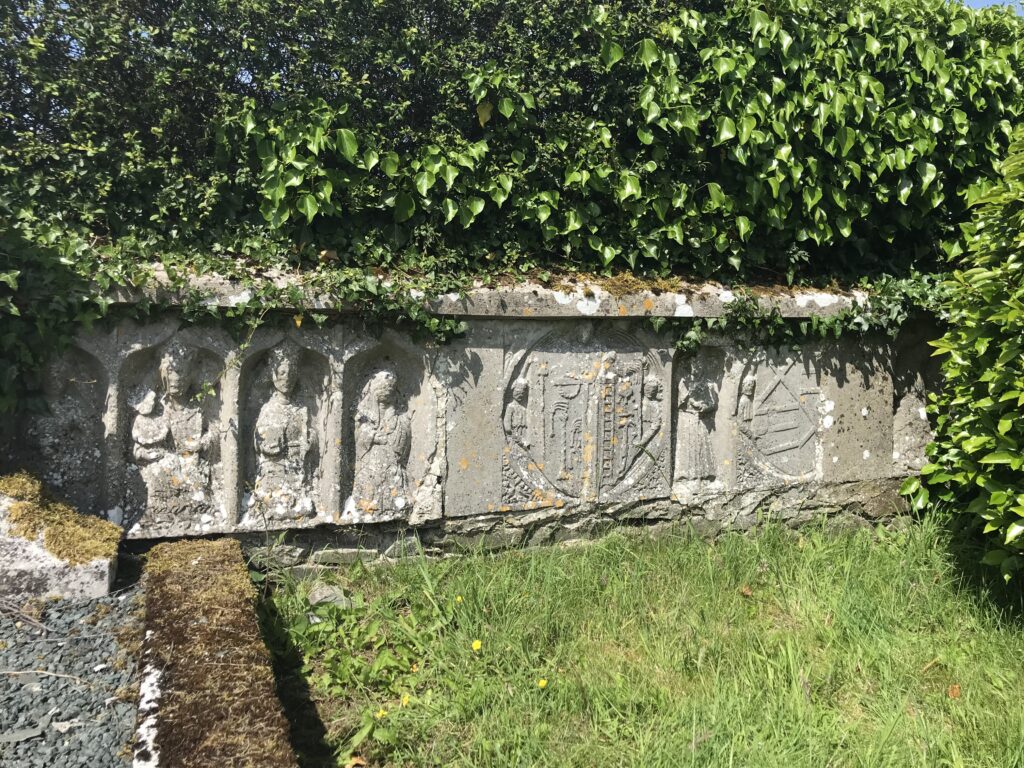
[[520, 391], [652, 388], [383, 385], [585, 333], [176, 369], [748, 385], [284, 368]]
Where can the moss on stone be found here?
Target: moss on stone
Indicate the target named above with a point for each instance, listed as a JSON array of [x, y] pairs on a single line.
[[66, 534], [218, 703], [23, 487]]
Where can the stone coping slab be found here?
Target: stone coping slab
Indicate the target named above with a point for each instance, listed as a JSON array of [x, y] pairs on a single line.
[[577, 299], [29, 569], [207, 696]]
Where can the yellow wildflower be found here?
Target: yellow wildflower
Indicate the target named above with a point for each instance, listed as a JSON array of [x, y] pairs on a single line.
[[415, 667], [405, 700], [381, 713], [542, 683], [458, 598], [477, 645]]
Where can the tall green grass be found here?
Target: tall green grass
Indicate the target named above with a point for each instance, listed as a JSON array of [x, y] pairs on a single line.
[[774, 649]]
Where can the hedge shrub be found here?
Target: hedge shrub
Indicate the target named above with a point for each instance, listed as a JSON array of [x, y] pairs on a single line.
[[779, 139], [977, 460]]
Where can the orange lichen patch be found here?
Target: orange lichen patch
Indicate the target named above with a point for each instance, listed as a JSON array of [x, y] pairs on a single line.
[[463, 463], [622, 310], [66, 534], [527, 311], [648, 304]]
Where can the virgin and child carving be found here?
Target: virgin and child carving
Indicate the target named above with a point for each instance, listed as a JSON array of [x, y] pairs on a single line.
[[285, 442], [383, 437], [172, 442]]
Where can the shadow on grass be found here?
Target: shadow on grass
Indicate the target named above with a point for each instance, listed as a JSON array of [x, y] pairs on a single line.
[[967, 546], [307, 733]]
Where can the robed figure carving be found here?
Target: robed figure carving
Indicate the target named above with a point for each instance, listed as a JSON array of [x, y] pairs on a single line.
[[286, 445], [382, 441], [697, 403]]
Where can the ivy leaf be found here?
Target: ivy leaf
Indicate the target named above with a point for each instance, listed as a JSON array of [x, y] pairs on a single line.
[[470, 209], [847, 138], [390, 164], [423, 181], [450, 209], [927, 171], [369, 159], [347, 144], [307, 205], [611, 53], [405, 207], [484, 110], [648, 53], [629, 186], [725, 129], [506, 107]]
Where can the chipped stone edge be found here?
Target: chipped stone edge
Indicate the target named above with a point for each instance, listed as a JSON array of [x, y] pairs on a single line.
[[524, 300]]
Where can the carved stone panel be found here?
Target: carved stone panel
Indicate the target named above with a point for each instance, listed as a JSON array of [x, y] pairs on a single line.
[[65, 444], [585, 418], [283, 437], [174, 440], [393, 443], [776, 422]]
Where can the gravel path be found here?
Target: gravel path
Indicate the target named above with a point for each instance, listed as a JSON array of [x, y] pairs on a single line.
[[68, 693]]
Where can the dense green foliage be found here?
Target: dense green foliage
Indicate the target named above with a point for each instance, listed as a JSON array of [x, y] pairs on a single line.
[[977, 459], [771, 650], [735, 139], [378, 146]]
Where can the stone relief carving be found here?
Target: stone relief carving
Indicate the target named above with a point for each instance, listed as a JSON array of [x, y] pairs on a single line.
[[383, 438], [67, 440], [174, 443], [697, 403], [286, 444], [777, 421], [583, 417]]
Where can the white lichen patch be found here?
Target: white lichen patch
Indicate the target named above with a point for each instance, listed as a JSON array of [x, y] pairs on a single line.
[[818, 299], [683, 307], [588, 306]]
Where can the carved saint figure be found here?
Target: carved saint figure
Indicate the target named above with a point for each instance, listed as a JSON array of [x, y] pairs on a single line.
[[285, 444], [745, 406], [694, 457], [515, 413], [650, 422], [172, 442], [382, 437]]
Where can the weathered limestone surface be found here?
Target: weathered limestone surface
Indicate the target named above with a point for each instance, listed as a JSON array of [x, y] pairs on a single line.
[[549, 413], [28, 569]]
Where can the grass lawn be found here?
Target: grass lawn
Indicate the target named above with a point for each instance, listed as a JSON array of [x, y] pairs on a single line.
[[774, 649]]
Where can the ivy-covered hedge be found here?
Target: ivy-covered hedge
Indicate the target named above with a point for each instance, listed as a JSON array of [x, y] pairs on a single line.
[[747, 139], [977, 460]]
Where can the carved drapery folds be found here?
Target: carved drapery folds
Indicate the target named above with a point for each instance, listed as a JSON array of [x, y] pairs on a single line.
[[383, 437], [286, 438]]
